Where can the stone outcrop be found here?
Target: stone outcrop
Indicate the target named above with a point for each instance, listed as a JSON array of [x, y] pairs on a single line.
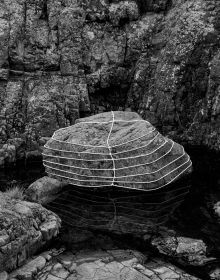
[[25, 227], [184, 250], [61, 60], [44, 190], [115, 149]]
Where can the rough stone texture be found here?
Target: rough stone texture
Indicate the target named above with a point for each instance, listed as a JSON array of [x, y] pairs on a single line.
[[24, 229], [115, 149], [99, 265], [44, 190], [176, 82], [62, 59], [185, 250]]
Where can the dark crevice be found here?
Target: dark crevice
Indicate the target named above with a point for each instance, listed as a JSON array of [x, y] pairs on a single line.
[[107, 99], [44, 14]]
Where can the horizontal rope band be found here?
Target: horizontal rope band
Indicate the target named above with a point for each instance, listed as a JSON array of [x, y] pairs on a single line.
[[134, 182], [121, 186], [120, 168], [102, 159], [116, 177], [108, 147], [102, 146]]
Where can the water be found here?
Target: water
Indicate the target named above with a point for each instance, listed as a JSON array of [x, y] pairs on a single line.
[[20, 175]]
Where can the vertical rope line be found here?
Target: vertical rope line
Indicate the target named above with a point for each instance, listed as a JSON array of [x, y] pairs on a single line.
[[109, 148]]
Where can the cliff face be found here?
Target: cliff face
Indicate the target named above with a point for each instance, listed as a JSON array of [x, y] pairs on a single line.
[[61, 59]]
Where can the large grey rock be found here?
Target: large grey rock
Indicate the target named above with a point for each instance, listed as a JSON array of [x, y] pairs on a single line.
[[25, 227], [115, 149], [123, 174]]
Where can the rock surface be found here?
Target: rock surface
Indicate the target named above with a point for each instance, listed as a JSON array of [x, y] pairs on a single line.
[[44, 190], [59, 60], [24, 228], [115, 149], [98, 265], [184, 250]]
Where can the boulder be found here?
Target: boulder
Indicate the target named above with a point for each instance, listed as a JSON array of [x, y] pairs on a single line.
[[184, 250], [123, 175], [44, 190], [25, 227], [115, 149]]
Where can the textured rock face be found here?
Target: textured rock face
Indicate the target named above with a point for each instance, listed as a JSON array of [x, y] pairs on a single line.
[[24, 229], [44, 190], [98, 265], [59, 59]]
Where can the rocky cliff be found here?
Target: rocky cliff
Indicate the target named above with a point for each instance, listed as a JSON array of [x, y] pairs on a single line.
[[63, 59]]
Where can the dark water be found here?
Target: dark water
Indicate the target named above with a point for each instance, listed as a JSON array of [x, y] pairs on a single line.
[[21, 175], [195, 217]]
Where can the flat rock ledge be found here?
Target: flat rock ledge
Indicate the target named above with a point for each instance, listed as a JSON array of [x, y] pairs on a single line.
[[114, 264], [24, 228]]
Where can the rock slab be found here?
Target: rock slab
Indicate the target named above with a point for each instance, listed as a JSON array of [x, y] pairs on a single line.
[[25, 227]]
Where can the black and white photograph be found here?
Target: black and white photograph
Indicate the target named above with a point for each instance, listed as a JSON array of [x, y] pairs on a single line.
[[109, 139]]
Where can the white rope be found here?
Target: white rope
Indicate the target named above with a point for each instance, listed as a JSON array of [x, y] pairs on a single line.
[[126, 121], [102, 146], [103, 159], [123, 176], [101, 186], [110, 153], [90, 153], [119, 168], [116, 177]]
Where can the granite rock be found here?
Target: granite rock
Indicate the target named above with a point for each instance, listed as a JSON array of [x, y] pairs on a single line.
[[24, 228]]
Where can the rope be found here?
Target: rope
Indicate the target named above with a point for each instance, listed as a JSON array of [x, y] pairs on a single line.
[[60, 176], [120, 168], [140, 120], [149, 182], [110, 153], [101, 146], [116, 177], [53, 149], [103, 159]]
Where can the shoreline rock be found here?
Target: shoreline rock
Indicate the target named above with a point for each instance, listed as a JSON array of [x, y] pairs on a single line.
[[25, 227]]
